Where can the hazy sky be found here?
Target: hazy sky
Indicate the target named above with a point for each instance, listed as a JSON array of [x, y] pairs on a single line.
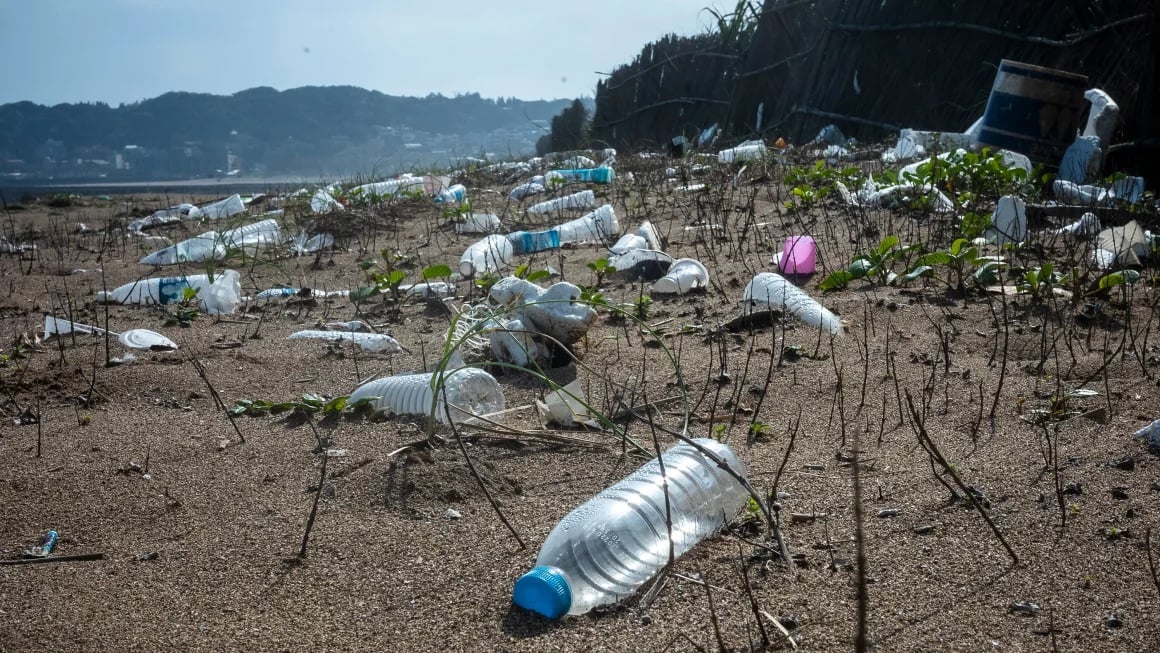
[[114, 51]]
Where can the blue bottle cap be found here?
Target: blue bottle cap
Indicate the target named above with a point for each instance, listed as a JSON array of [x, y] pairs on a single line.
[[544, 590]]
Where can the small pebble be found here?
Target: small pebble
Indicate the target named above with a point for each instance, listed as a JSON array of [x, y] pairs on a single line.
[[1120, 493], [924, 529], [1113, 621], [453, 514], [1025, 607], [889, 512]]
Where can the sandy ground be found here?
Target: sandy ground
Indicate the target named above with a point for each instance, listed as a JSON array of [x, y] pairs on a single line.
[[200, 531]]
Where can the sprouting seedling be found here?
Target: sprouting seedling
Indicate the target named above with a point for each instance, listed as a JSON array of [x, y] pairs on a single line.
[[602, 268], [523, 271]]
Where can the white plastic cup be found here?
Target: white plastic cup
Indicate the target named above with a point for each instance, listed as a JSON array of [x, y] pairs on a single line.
[[684, 275]]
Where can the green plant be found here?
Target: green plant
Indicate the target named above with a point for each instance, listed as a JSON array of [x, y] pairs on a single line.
[[971, 178], [876, 265], [1039, 282], [958, 259], [524, 272], [602, 268], [974, 225], [485, 281]]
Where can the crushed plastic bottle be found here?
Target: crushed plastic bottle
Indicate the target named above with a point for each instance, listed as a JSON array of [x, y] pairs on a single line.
[[219, 295], [470, 392], [606, 549]]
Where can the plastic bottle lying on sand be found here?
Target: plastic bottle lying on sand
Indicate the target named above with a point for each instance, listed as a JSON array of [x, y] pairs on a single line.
[[374, 342], [747, 151], [600, 175], [770, 290], [469, 392], [491, 254], [583, 200], [606, 549], [221, 295], [684, 275], [597, 226]]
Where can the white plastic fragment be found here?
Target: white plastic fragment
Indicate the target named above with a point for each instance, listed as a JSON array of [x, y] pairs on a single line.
[[132, 338], [1009, 221], [372, 342], [770, 290], [583, 200], [1082, 160], [565, 407], [479, 223], [1151, 433], [524, 191], [1087, 225], [216, 244], [555, 312], [1102, 117], [226, 208], [323, 202]]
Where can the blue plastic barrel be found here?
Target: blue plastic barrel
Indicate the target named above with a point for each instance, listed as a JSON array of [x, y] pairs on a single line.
[[1033, 110]]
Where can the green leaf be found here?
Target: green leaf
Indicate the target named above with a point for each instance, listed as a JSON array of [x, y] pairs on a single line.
[[837, 281], [314, 400], [361, 294], [538, 274], [987, 274], [335, 405], [395, 277], [860, 267], [521, 270], [934, 258], [888, 243], [1121, 278], [918, 271], [440, 271]]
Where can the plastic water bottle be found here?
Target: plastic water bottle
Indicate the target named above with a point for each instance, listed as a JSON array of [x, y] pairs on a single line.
[[526, 242], [609, 547]]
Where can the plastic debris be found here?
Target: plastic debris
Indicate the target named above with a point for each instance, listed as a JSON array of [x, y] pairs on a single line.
[[584, 200], [1128, 189], [303, 244], [323, 202], [555, 311], [220, 295], [1152, 434], [747, 151], [1082, 160], [524, 191], [770, 290], [598, 175], [799, 256], [479, 223], [566, 407], [1102, 117], [465, 394], [1121, 246], [133, 338], [486, 256], [221, 209], [1088, 224], [1009, 221], [683, 276], [379, 343], [215, 245]]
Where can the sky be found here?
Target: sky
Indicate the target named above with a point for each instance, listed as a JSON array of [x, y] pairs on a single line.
[[123, 51]]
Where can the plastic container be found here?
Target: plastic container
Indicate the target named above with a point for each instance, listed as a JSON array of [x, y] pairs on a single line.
[[583, 200], [606, 549], [491, 254], [526, 242], [1033, 110], [600, 175], [226, 208], [599, 226], [222, 295], [683, 275], [647, 264], [374, 342], [524, 191], [470, 391], [799, 256], [769, 290], [479, 223], [747, 151]]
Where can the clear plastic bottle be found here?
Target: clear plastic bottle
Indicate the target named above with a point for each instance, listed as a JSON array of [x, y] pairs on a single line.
[[609, 547]]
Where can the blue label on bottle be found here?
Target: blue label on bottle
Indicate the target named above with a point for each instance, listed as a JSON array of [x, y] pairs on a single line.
[[537, 241]]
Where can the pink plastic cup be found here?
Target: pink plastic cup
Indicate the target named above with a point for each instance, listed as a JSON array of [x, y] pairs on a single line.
[[799, 256]]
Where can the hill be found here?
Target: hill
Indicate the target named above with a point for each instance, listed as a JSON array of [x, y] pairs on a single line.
[[308, 131]]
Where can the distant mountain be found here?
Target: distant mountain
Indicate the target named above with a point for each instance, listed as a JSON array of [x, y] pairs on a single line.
[[310, 131]]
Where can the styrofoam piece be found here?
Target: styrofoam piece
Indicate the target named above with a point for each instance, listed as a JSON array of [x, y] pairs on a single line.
[[373, 342], [479, 223], [489, 255], [582, 201], [684, 275], [1151, 433], [219, 296], [464, 394], [770, 290]]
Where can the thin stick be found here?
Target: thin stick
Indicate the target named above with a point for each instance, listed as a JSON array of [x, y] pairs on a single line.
[[780, 627], [1151, 565], [39, 561], [313, 508], [752, 601], [713, 615], [932, 450]]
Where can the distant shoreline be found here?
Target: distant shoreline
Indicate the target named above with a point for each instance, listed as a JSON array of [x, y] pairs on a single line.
[[14, 190]]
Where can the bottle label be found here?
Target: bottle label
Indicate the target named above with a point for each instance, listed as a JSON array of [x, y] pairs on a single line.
[[536, 241]]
